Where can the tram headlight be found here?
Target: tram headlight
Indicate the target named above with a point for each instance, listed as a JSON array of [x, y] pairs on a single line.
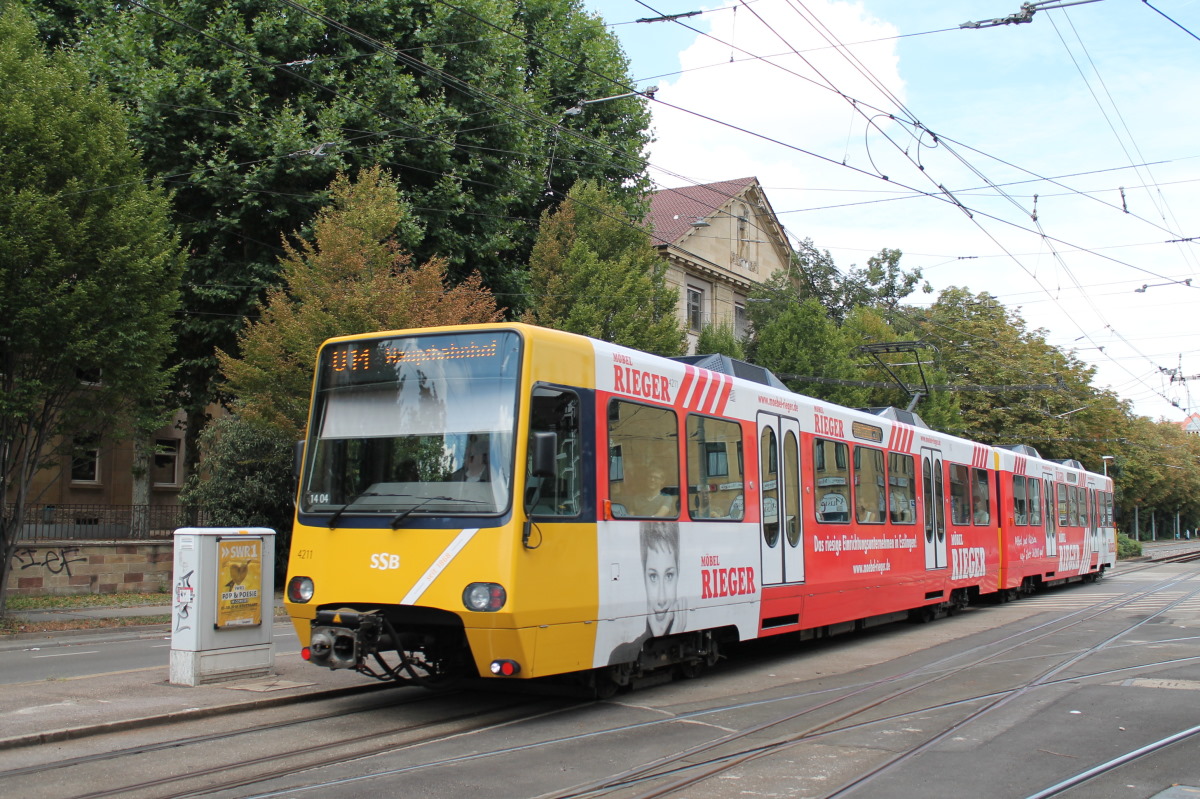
[[484, 597], [300, 589]]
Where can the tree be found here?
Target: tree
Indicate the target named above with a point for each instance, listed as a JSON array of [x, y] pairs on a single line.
[[814, 317], [354, 276], [803, 342], [251, 107], [939, 408], [594, 271], [720, 340], [883, 284], [981, 343], [1156, 469], [246, 480], [88, 264]]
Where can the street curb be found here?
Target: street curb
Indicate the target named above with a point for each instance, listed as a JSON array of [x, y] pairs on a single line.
[[146, 629], [191, 714]]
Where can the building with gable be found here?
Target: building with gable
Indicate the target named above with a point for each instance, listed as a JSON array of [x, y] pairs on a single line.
[[1191, 425], [719, 240]]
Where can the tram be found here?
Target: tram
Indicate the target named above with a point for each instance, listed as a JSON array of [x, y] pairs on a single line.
[[513, 502]]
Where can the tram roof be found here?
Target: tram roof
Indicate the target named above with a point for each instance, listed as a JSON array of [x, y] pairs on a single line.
[[732, 366]]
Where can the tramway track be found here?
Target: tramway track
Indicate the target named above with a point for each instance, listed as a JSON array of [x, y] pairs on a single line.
[[711, 763], [1115, 763], [1041, 679], [849, 720], [716, 766], [1186, 557], [338, 749], [212, 737]]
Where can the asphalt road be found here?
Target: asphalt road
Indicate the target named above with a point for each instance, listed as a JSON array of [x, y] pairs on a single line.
[[999, 702], [99, 652]]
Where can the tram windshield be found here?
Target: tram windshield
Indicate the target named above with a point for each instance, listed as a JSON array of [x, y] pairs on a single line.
[[414, 425]]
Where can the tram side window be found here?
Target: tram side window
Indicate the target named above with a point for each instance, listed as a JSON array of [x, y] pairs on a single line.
[[556, 411], [1062, 504], [832, 477], [1035, 502], [1108, 509], [644, 480], [960, 494], [981, 497], [868, 485], [715, 480], [1020, 513], [1072, 506], [902, 498]]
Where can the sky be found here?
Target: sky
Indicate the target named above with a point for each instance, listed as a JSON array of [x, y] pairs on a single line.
[[1054, 164]]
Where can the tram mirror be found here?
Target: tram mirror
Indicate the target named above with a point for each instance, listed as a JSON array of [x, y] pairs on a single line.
[[544, 454], [297, 460]]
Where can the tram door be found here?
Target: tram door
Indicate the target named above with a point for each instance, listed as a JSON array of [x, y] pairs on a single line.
[[1051, 516], [782, 539], [934, 488], [1092, 520]]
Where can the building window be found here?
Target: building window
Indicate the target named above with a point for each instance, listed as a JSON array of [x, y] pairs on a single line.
[[739, 321], [85, 460], [695, 309], [166, 462]]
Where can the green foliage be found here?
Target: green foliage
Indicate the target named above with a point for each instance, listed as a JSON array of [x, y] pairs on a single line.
[[124, 599], [842, 312], [89, 266], [594, 271], [1156, 468], [1127, 547], [883, 284], [938, 409], [803, 342], [252, 107], [246, 480], [720, 340], [352, 277]]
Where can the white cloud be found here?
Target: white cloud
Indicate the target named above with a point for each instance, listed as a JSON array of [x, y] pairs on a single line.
[[1014, 93]]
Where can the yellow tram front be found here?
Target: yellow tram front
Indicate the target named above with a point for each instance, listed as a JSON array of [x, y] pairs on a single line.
[[413, 556]]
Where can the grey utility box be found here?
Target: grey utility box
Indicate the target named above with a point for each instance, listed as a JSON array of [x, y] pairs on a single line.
[[223, 605]]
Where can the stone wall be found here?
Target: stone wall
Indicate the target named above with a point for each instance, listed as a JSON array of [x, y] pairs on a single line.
[[91, 567]]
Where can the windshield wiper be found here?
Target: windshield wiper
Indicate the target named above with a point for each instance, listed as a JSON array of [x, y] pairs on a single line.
[[337, 514], [396, 522]]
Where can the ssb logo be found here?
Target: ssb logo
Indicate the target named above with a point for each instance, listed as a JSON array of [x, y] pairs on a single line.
[[384, 561]]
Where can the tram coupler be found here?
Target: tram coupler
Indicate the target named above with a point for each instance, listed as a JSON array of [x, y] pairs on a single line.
[[341, 639]]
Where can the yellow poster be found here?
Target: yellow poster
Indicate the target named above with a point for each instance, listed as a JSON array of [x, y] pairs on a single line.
[[239, 582]]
